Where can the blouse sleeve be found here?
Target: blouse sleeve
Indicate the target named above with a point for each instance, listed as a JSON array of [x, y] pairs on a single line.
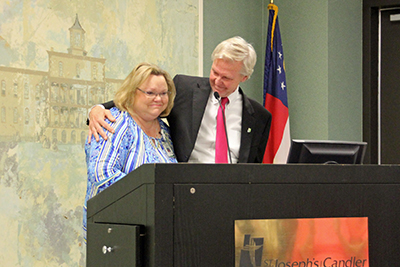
[[105, 159]]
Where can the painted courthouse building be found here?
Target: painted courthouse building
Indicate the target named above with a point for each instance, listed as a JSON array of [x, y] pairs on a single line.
[[51, 107]]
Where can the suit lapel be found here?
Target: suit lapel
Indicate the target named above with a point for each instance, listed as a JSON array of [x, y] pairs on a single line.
[[248, 123], [200, 98]]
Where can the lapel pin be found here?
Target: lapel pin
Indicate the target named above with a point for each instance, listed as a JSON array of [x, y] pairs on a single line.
[[249, 130]]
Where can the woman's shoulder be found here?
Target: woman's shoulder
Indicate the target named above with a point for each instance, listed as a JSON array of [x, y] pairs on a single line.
[[115, 111], [122, 119], [163, 124], [119, 115], [165, 132]]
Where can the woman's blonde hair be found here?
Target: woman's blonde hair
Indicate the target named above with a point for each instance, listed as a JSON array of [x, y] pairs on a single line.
[[125, 96]]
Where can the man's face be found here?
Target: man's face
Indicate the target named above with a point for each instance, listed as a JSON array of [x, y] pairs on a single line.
[[225, 76]]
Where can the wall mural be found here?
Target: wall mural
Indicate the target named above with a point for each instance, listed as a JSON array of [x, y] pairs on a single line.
[[57, 59]]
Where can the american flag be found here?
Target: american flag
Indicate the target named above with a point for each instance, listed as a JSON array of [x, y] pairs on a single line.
[[275, 93]]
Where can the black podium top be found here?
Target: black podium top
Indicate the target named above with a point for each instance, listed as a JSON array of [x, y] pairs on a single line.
[[186, 173]]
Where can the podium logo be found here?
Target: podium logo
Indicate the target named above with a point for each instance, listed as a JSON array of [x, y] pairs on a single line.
[[251, 253]]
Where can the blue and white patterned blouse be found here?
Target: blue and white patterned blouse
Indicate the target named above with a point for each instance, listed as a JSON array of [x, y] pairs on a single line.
[[125, 150]]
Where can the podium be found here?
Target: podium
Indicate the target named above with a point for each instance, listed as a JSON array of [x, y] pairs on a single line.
[[183, 214]]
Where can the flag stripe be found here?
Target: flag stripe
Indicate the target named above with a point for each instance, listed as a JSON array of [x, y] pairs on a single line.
[[282, 154], [279, 119]]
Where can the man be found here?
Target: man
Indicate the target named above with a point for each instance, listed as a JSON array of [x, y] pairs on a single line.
[[193, 121]]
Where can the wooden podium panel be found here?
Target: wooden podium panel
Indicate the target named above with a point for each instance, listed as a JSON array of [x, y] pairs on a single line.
[[114, 243], [188, 210]]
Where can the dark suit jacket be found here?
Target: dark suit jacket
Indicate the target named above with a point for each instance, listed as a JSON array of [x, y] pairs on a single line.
[[185, 118]]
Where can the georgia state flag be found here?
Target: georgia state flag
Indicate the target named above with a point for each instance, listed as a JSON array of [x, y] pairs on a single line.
[[275, 94]]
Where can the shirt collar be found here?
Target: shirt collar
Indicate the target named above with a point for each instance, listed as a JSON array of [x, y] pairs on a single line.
[[232, 97]]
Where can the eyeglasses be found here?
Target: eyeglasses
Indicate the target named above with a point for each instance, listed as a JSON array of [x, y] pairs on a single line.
[[153, 95]]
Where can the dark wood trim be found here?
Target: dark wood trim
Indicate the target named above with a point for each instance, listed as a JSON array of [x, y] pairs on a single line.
[[370, 74]]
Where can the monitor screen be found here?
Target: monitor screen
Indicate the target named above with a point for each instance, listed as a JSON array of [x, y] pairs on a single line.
[[326, 152]]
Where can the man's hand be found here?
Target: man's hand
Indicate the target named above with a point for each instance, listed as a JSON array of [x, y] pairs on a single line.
[[97, 121]]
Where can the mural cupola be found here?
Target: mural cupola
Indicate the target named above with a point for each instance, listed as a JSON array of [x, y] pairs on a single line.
[[77, 39]]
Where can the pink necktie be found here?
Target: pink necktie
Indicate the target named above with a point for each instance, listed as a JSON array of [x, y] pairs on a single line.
[[221, 147]]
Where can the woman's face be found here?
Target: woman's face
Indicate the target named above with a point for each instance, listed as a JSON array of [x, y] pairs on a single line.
[[151, 98]]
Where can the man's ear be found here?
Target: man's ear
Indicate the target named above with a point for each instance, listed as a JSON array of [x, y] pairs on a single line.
[[244, 78]]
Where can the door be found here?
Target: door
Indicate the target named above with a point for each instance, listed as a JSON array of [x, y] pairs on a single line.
[[381, 80], [389, 86]]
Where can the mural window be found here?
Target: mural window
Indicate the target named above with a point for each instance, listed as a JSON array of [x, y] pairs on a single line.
[[72, 95], [78, 39], [54, 135], [54, 93], [26, 91], [64, 117], [60, 69], [96, 95], [37, 92], [83, 137], [110, 91], [64, 136], [72, 118], [15, 115], [82, 117], [3, 88], [3, 114], [44, 92], [92, 96], [94, 70], [15, 89], [63, 93], [81, 95], [27, 117], [78, 70], [37, 116], [100, 95], [73, 137], [56, 116]]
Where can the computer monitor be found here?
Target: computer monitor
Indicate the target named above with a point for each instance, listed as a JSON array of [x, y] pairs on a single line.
[[326, 152]]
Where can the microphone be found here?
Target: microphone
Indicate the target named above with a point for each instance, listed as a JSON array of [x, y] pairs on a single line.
[[216, 95]]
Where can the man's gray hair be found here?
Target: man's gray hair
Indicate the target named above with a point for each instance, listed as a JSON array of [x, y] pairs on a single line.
[[237, 49]]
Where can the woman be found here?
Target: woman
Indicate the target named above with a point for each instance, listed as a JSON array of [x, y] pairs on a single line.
[[140, 135]]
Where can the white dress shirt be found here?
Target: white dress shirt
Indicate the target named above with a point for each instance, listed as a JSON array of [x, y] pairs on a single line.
[[204, 148]]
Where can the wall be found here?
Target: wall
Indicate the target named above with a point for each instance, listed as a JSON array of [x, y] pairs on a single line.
[[323, 53], [224, 19], [345, 70], [322, 45]]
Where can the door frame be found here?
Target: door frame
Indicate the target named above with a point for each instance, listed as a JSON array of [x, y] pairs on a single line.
[[370, 75]]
